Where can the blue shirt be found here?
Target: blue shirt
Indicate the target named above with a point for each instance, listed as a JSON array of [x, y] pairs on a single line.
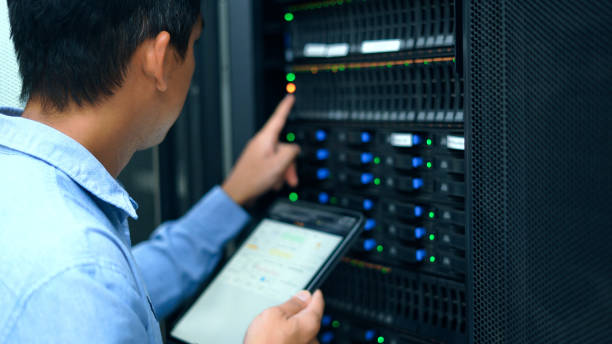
[[68, 273]]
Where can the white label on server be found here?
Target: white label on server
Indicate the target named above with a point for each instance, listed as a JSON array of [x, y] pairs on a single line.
[[380, 46], [455, 142], [336, 50], [315, 50], [401, 140]]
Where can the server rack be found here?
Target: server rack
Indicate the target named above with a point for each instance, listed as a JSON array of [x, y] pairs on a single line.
[[475, 137]]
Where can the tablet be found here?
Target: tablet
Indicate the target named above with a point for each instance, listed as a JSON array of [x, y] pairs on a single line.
[[294, 248]]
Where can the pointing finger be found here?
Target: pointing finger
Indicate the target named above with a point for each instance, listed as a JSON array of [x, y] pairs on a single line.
[[277, 121]]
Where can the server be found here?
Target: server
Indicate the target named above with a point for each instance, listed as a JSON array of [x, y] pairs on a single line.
[[380, 117], [475, 137]]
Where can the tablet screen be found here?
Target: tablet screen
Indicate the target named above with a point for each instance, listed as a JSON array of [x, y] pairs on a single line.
[[277, 260]]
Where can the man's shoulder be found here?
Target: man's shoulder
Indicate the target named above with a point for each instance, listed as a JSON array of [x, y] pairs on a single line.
[[48, 223], [37, 197]]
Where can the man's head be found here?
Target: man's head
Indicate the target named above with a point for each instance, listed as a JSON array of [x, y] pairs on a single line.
[[81, 53]]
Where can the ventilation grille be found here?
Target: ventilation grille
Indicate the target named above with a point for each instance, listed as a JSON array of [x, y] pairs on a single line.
[[541, 170], [401, 297], [415, 92]]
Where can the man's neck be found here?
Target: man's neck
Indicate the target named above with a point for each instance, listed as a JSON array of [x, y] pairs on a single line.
[[103, 130]]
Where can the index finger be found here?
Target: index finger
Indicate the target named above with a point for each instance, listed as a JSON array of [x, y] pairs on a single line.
[[277, 121]]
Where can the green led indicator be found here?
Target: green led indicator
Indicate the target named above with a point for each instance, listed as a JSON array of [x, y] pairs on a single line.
[[429, 142], [389, 65], [379, 248], [381, 339], [376, 181], [432, 259], [432, 237], [429, 164], [293, 197], [425, 62], [385, 270], [335, 324], [377, 160], [289, 16], [432, 214], [333, 200], [290, 137], [290, 77]]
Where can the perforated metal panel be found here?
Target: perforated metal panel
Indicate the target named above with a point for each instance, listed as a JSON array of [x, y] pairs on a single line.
[[540, 159]]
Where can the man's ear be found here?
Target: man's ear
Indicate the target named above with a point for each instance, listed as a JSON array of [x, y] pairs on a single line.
[[156, 52]]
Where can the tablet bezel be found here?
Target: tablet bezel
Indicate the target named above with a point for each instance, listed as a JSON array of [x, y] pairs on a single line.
[[319, 277]]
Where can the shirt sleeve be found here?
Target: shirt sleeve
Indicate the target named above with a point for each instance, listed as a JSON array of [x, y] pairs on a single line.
[[85, 303], [181, 254]]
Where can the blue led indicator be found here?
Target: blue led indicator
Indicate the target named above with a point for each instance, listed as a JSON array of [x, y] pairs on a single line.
[[320, 135], [369, 335], [368, 204], [419, 232], [369, 244], [326, 320], [323, 198], [420, 255], [322, 173], [418, 211], [366, 158], [366, 178], [327, 337], [417, 183], [322, 154], [370, 224], [366, 137], [417, 162], [416, 140]]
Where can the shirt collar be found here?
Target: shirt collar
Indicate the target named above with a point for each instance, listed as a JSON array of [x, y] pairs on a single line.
[[59, 150]]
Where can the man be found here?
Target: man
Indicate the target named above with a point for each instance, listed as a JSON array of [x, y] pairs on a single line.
[[103, 79]]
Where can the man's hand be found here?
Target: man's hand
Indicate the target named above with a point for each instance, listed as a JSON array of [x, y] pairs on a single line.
[[265, 163], [296, 321]]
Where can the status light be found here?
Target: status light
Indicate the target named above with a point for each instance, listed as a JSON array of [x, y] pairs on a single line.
[[377, 160], [323, 198], [432, 237], [381, 339], [429, 164], [379, 248], [419, 232], [335, 324], [370, 224], [290, 77], [429, 142], [291, 88], [432, 214], [376, 181], [289, 16], [432, 259], [290, 137], [293, 197], [369, 244]]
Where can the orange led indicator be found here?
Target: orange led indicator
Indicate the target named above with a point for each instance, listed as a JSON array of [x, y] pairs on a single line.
[[290, 87]]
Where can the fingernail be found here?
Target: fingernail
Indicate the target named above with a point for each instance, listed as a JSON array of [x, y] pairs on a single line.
[[303, 295]]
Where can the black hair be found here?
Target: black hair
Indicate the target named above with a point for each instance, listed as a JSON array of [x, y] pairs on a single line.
[[79, 50]]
